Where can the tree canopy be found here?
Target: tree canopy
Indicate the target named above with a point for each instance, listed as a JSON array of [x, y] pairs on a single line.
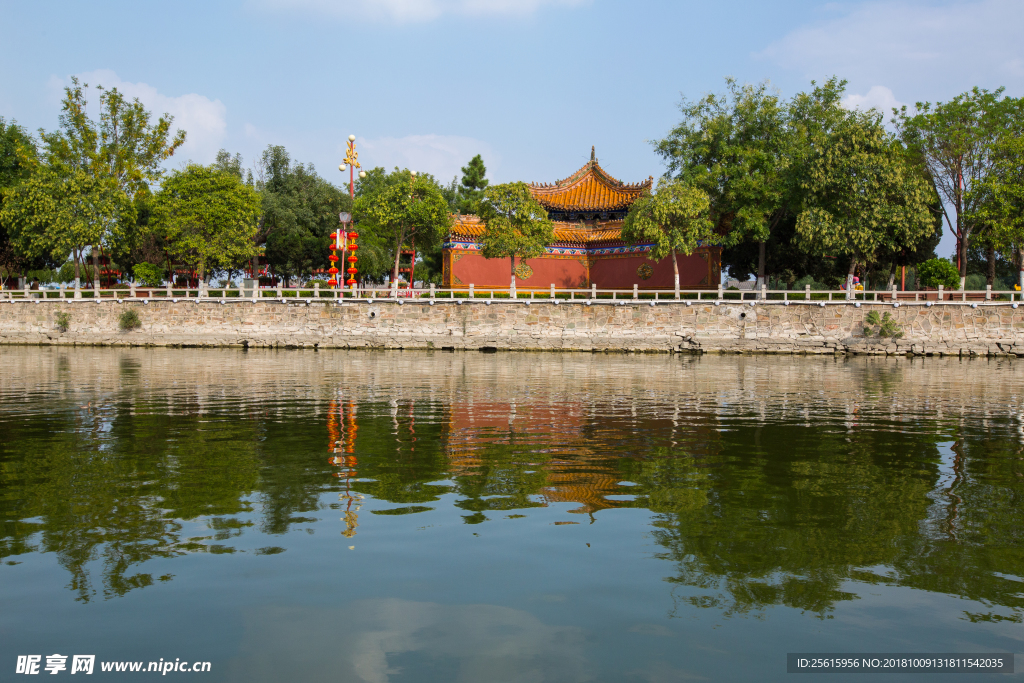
[[401, 207], [58, 213], [516, 224], [473, 185], [676, 217], [736, 149], [955, 140], [209, 218], [862, 195], [299, 211]]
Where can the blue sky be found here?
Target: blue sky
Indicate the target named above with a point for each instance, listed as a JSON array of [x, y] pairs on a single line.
[[530, 84]]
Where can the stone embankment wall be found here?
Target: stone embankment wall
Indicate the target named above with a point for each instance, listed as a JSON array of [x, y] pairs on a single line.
[[941, 329]]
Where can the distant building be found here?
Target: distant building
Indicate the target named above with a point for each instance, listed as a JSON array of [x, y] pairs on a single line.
[[588, 209]]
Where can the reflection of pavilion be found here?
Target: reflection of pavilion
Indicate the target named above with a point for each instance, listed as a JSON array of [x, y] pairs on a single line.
[[575, 473]]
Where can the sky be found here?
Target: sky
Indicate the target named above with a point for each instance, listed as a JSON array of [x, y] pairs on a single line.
[[530, 85]]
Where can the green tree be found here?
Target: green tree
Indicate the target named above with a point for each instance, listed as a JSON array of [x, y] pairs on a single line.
[[17, 158], [471, 190], [209, 218], [1000, 198], [938, 271], [516, 224], [861, 194], [955, 140], [401, 207], [57, 213], [125, 149], [674, 218], [735, 148], [299, 211]]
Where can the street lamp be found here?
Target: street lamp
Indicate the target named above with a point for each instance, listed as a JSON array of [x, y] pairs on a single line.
[[342, 237]]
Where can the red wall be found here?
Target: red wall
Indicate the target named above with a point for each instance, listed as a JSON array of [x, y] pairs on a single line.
[[475, 269], [606, 273], [614, 273]]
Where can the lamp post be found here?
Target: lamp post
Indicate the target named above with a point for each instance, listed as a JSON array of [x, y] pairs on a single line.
[[342, 237]]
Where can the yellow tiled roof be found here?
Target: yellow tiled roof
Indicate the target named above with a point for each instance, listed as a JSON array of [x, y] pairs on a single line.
[[470, 226], [589, 189]]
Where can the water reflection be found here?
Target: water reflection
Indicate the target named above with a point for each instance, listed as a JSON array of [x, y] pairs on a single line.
[[770, 481]]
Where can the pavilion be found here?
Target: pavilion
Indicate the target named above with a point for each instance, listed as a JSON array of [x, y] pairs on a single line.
[[588, 209]]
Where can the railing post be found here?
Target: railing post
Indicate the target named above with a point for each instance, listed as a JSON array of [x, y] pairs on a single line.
[[849, 286], [807, 292], [988, 292], [27, 290], [131, 286], [316, 290], [431, 291], [279, 292], [636, 293], [169, 289], [940, 292], [894, 292], [593, 292], [721, 292], [552, 290], [63, 286], [472, 294], [764, 291]]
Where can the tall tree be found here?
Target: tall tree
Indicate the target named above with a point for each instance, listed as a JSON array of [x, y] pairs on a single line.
[[400, 207], [862, 194], [209, 218], [734, 147], [1000, 199], [125, 149], [471, 190], [17, 158], [57, 213], [955, 140], [516, 224], [299, 211], [675, 218]]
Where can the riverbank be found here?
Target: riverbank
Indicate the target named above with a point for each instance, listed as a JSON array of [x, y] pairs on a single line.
[[957, 329]]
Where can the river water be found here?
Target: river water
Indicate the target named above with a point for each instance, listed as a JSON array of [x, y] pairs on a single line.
[[429, 516]]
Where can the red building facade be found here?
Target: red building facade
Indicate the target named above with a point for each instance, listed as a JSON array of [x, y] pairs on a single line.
[[588, 209]]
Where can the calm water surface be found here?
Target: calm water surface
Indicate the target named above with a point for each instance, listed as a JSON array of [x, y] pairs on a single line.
[[351, 516]]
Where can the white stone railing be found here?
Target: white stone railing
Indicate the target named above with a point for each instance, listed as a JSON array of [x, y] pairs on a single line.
[[486, 295]]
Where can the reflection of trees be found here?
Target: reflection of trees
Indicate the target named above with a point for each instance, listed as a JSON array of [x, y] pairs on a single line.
[[774, 485], [117, 487], [789, 522]]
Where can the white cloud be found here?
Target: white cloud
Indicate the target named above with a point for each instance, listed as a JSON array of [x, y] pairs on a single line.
[[465, 642], [203, 120], [441, 155], [934, 50], [878, 98], [416, 10]]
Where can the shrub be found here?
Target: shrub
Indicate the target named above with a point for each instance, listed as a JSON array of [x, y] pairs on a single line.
[[976, 281], [129, 320], [148, 274], [938, 271], [67, 272], [809, 280], [62, 320], [886, 324]]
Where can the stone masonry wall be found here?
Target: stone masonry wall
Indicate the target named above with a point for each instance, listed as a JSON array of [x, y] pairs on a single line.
[[942, 329]]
